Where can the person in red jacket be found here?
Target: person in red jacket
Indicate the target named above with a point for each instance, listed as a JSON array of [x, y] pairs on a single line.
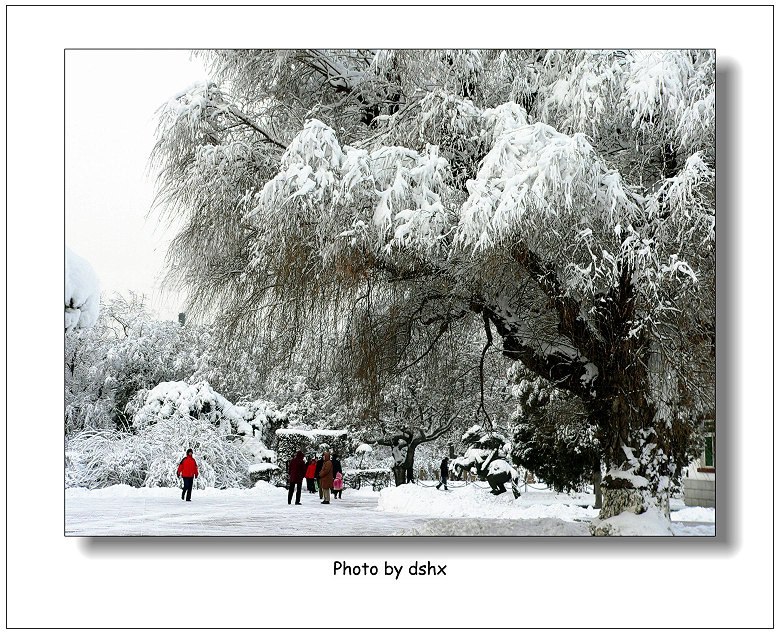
[[296, 472], [188, 470], [310, 476]]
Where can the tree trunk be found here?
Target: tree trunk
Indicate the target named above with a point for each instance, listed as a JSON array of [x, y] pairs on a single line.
[[597, 487], [404, 471]]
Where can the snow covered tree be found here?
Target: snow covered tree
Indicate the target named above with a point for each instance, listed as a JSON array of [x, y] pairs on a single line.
[[416, 416], [431, 399], [82, 292], [560, 201], [127, 350]]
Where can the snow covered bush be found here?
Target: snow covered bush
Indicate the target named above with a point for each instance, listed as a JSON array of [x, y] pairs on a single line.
[[96, 458], [377, 478], [222, 462], [166, 420], [311, 442], [82, 292], [243, 424], [126, 351]]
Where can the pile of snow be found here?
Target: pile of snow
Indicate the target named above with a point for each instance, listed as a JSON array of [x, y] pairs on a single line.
[[290, 441], [694, 514], [649, 523], [82, 292], [474, 501]]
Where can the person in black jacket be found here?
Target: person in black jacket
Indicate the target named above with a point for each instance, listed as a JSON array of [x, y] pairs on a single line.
[[445, 470]]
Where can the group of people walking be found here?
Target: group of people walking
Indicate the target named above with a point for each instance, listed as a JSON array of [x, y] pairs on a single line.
[[324, 474]]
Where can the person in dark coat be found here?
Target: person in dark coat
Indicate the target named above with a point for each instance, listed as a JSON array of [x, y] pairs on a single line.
[[188, 471], [326, 477], [310, 476], [336, 468], [296, 472], [317, 470], [445, 471], [336, 465]]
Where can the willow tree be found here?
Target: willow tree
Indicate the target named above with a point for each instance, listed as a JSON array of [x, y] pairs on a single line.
[[560, 201]]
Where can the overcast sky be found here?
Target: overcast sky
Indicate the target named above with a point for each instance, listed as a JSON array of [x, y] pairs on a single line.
[[110, 103]]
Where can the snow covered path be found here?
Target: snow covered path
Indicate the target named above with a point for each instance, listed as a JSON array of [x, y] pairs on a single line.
[[226, 513], [404, 511], [126, 511]]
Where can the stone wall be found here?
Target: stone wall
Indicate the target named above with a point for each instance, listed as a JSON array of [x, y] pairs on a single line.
[[699, 491]]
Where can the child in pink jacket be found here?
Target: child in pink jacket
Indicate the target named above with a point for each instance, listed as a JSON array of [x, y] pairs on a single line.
[[338, 486]]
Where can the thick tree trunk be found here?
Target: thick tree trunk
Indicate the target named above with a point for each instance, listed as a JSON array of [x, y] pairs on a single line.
[[403, 472], [632, 511], [636, 468], [403, 469], [597, 487], [399, 474]]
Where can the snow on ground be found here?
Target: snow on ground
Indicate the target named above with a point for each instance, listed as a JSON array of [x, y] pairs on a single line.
[[464, 510], [475, 500]]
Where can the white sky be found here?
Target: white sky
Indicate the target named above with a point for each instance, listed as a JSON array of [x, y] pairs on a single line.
[[110, 103]]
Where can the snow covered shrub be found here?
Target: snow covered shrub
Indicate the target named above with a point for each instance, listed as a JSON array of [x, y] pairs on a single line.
[[336, 441], [96, 458], [315, 441], [231, 432], [126, 351], [102, 457], [221, 461], [261, 418], [290, 441], [167, 420], [264, 472]]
